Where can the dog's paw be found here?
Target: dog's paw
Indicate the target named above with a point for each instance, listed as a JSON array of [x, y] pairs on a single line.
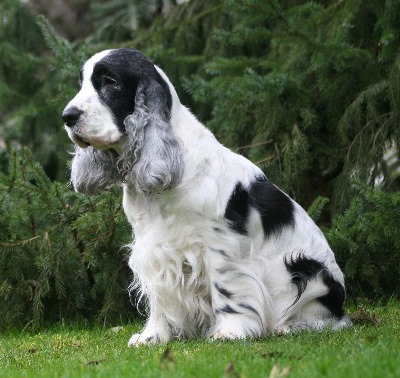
[[225, 336], [137, 340], [140, 339], [146, 338], [282, 330], [235, 329], [228, 334]]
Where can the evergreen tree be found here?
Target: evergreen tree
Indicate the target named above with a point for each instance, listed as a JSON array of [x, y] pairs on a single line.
[[61, 253], [367, 244], [29, 112], [307, 90]]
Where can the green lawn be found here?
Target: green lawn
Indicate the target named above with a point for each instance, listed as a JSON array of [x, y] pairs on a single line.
[[369, 349]]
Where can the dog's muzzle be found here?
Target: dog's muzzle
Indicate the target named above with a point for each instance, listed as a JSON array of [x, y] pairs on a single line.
[[71, 116]]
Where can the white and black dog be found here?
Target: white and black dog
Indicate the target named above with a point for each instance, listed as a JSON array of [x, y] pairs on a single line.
[[219, 250]]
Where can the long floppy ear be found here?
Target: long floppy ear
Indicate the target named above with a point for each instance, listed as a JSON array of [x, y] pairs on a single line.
[[93, 171], [152, 160]]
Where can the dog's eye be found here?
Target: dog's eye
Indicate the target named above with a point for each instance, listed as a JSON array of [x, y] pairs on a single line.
[[108, 81]]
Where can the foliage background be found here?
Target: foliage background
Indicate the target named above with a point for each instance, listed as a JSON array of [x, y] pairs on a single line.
[[308, 90]]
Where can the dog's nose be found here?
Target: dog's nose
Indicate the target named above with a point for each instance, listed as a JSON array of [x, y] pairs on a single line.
[[71, 116]]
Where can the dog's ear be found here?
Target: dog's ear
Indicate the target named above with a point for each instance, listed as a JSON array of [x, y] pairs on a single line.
[[152, 159], [93, 171]]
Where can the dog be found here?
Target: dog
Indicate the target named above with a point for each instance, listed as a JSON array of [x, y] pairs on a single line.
[[219, 251]]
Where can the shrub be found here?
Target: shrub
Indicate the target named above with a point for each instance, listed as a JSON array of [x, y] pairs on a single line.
[[366, 241], [62, 258]]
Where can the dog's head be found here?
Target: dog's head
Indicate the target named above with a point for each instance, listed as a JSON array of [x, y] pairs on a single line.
[[120, 121]]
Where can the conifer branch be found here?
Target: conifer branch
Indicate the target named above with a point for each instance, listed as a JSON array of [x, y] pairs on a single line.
[[268, 158], [44, 235], [360, 132], [258, 144]]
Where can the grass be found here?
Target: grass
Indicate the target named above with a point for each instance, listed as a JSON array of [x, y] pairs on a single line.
[[368, 349]]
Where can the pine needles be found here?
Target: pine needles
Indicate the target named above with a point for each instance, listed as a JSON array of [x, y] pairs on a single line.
[[310, 91], [56, 261]]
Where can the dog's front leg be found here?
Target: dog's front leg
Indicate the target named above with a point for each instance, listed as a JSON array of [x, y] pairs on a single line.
[[157, 330]]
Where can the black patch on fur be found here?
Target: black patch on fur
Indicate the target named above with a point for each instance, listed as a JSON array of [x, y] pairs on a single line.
[[250, 308], [304, 269], [275, 207], [226, 310], [116, 78], [334, 300], [223, 291], [237, 209]]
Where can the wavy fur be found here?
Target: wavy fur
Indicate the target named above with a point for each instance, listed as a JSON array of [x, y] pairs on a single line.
[[151, 160], [93, 171], [219, 251]]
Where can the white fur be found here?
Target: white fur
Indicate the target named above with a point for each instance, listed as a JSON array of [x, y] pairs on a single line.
[[180, 232], [96, 124], [176, 231]]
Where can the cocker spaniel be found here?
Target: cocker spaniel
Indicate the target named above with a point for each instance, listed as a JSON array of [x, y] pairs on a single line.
[[219, 250]]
